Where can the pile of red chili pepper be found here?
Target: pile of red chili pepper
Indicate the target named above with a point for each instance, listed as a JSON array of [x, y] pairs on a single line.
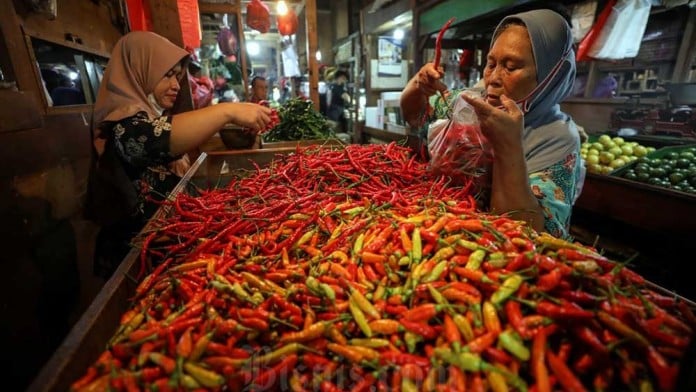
[[355, 269]]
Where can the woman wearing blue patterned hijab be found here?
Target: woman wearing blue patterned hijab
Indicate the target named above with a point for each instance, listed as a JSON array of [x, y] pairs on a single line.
[[530, 68]]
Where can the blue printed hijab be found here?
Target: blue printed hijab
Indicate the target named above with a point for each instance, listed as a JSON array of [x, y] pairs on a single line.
[[549, 135]]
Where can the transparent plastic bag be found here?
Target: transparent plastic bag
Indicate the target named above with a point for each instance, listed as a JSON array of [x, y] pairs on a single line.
[[457, 147]]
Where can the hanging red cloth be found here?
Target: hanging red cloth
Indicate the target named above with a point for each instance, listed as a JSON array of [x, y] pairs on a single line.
[[139, 18], [190, 22]]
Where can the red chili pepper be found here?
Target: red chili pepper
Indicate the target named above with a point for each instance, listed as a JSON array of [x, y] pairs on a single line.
[[549, 281], [590, 338], [438, 42], [538, 362], [687, 312], [666, 375], [564, 375], [655, 332], [421, 313], [424, 330], [399, 358], [482, 342], [580, 297], [566, 312], [413, 372], [497, 355], [365, 384], [150, 374], [521, 261], [267, 379], [477, 384], [328, 386], [314, 361], [584, 363]]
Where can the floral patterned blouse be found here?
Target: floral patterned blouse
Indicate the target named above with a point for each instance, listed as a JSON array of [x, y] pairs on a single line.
[[143, 146], [555, 187]]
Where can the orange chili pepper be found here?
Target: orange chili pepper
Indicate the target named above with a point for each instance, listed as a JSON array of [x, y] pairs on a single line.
[[369, 257], [385, 326]]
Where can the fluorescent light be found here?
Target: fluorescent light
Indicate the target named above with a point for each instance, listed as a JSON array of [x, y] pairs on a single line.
[[398, 34], [282, 8], [253, 48]]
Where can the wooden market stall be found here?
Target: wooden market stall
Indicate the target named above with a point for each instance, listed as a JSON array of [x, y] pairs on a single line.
[[44, 172]]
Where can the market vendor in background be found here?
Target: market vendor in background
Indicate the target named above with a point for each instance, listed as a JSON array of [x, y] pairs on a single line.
[[537, 171], [338, 98], [136, 134], [259, 89]]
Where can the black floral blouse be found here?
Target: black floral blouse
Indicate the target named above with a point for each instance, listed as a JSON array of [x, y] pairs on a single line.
[[143, 146]]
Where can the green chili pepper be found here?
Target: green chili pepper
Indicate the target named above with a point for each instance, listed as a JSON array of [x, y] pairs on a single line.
[[464, 326], [305, 237], [475, 259], [466, 361], [417, 245], [359, 318], [472, 246], [354, 211], [437, 296], [497, 260], [205, 377], [411, 341], [510, 342], [328, 292], [313, 285], [357, 246], [435, 272], [188, 382], [408, 385], [509, 287], [280, 353], [470, 362]]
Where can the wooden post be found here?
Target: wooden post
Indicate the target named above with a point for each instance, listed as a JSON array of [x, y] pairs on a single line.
[[311, 27], [242, 53]]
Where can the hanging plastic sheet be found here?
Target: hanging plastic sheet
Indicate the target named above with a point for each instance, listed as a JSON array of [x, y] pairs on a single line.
[[622, 31]]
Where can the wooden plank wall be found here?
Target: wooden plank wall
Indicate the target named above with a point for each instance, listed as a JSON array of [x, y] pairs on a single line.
[[47, 280]]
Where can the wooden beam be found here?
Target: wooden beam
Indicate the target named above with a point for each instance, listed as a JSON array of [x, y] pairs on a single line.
[[686, 49], [218, 8], [311, 28]]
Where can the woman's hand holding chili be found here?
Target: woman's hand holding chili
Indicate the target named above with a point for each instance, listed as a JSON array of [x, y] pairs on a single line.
[[428, 80], [251, 115], [502, 126]]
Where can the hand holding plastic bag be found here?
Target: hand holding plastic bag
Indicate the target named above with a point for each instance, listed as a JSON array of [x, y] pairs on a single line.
[[458, 149]]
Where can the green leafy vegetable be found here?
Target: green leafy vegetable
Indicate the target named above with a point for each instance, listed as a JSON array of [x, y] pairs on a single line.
[[299, 121]]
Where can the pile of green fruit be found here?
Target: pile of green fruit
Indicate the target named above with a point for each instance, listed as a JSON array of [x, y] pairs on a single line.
[[607, 154], [675, 170]]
